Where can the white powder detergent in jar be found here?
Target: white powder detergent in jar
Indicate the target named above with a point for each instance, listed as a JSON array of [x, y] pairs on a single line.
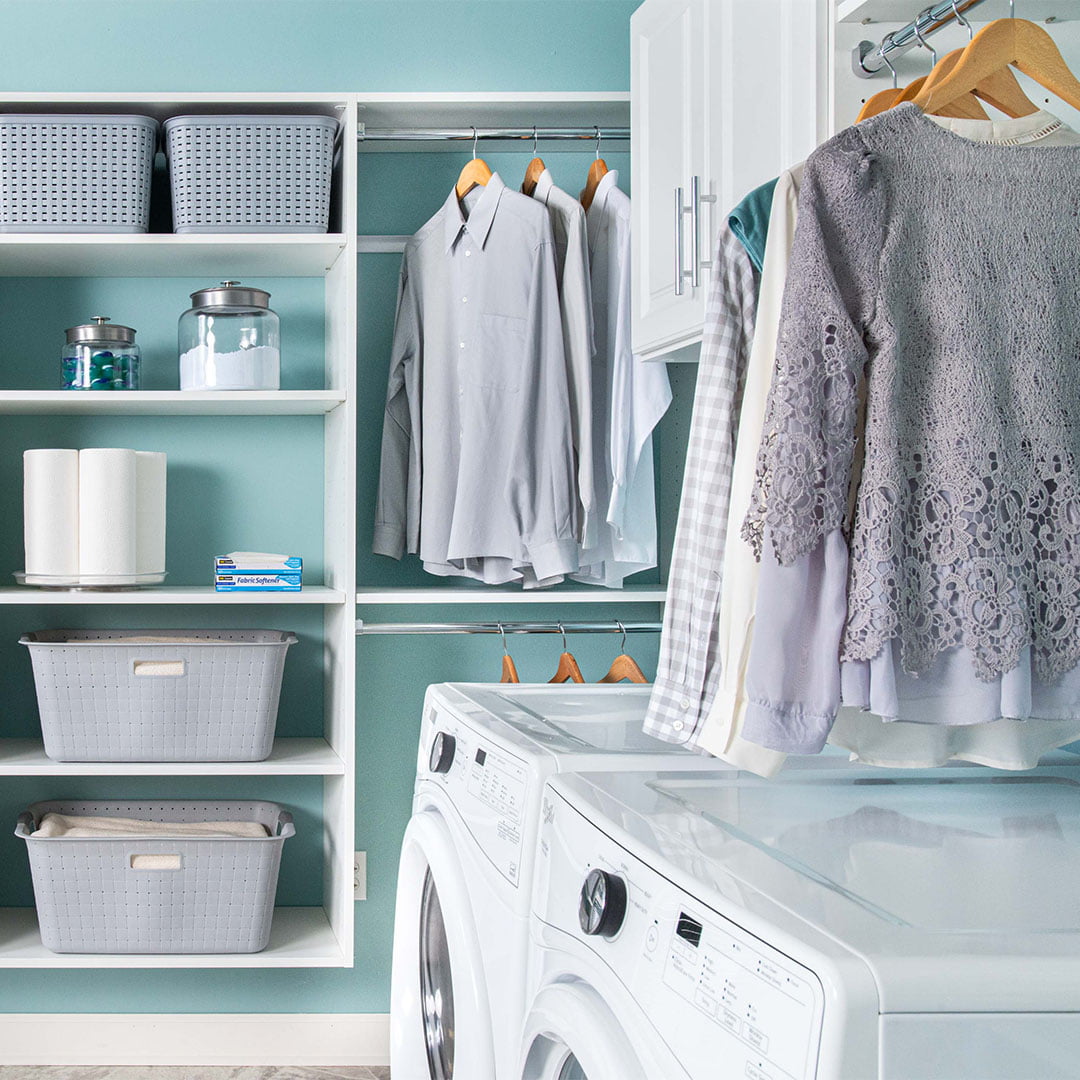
[[230, 340]]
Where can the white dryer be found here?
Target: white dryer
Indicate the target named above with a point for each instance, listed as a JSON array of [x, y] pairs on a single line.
[[465, 877], [835, 923]]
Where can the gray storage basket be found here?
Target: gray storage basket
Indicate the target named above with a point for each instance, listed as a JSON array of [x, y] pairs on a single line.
[[219, 899], [250, 173], [206, 695], [76, 173]]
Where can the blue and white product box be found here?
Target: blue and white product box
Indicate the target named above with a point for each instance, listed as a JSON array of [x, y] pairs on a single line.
[[258, 571]]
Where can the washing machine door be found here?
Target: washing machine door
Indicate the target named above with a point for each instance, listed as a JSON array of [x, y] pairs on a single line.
[[440, 1018], [571, 1034]]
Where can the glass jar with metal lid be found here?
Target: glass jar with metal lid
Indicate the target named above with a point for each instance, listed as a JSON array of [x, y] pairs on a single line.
[[230, 340], [100, 355]]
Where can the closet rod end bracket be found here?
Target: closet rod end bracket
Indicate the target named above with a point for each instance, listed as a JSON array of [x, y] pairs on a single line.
[[859, 55]]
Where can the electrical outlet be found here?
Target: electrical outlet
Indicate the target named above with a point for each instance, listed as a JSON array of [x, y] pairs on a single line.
[[359, 875]]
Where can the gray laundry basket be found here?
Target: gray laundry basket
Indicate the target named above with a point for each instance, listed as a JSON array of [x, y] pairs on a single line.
[[92, 896], [76, 173], [251, 173], [158, 695]]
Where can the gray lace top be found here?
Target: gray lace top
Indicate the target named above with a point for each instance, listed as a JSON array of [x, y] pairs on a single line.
[[940, 279]]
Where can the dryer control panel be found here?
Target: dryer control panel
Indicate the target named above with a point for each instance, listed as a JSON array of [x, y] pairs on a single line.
[[724, 1001], [486, 784]]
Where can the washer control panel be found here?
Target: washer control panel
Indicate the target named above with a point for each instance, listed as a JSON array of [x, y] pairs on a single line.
[[486, 784]]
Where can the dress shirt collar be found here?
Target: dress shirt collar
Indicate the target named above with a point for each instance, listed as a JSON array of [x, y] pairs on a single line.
[[543, 187], [595, 214], [478, 223]]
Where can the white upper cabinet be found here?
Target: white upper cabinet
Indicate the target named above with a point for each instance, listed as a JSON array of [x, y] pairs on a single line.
[[724, 95]]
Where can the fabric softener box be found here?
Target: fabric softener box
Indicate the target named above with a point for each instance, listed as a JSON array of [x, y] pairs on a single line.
[[257, 571]]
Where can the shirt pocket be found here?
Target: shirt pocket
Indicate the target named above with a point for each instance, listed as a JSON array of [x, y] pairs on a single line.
[[500, 359]]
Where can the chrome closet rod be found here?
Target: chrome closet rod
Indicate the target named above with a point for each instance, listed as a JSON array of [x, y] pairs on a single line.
[[868, 59], [609, 627], [465, 134]]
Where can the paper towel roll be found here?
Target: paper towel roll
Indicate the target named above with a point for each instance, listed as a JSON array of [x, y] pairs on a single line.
[[107, 512], [51, 512], [149, 512]]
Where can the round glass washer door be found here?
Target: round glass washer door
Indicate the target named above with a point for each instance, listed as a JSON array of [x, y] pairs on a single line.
[[437, 986]]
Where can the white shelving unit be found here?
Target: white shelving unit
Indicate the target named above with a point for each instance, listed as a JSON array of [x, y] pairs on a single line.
[[631, 594], [301, 937]]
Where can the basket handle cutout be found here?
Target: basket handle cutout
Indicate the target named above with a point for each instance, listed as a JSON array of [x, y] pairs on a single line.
[[156, 862], [159, 669]]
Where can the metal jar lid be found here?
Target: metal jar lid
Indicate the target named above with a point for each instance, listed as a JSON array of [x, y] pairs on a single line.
[[100, 329], [228, 294]]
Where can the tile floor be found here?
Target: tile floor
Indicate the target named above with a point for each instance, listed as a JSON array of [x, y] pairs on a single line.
[[190, 1072]]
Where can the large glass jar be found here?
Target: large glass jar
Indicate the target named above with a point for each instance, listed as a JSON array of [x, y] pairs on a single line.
[[229, 340], [100, 356]]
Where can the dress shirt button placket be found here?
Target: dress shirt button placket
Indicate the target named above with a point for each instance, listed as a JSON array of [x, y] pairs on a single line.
[[466, 329]]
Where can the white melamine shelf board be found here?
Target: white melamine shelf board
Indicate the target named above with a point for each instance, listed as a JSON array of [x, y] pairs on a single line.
[[605, 108], [184, 594], [903, 11], [301, 937], [290, 757], [170, 402], [168, 254], [162, 105], [640, 594], [381, 244]]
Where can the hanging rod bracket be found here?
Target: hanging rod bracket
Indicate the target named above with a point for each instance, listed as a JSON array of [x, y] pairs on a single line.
[[868, 58]]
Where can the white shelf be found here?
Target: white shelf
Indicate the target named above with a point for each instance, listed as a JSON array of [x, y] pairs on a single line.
[[290, 757], [903, 11], [301, 937], [170, 402], [183, 594], [633, 594], [168, 255]]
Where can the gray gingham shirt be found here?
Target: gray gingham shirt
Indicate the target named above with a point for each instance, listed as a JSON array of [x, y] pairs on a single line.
[[477, 473], [688, 671]]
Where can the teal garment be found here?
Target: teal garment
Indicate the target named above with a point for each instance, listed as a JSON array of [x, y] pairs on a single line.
[[749, 221]]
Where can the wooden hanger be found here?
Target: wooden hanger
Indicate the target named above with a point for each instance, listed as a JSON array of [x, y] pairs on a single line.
[[965, 108], [568, 667], [624, 666], [475, 174], [509, 668], [880, 102], [597, 171], [1005, 43], [534, 170]]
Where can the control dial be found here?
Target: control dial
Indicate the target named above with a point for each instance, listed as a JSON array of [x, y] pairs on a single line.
[[602, 906], [442, 752]]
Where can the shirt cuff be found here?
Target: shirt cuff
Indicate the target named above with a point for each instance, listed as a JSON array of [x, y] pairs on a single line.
[[389, 540], [553, 559], [787, 728], [720, 721]]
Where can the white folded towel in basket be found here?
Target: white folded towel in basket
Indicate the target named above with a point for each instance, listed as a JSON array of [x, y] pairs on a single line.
[[53, 826]]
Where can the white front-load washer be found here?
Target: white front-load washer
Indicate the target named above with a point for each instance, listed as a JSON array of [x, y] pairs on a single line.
[[834, 923], [465, 877]]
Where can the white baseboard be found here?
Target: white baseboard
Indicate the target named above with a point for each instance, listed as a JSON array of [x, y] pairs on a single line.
[[194, 1039]]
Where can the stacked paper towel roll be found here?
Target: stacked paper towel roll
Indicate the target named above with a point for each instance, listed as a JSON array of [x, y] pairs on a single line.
[[94, 513]]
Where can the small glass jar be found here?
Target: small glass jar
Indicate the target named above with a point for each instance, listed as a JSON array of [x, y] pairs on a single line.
[[229, 340], [100, 356]]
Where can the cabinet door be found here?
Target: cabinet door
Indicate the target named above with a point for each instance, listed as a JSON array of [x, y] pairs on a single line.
[[667, 101], [765, 95]]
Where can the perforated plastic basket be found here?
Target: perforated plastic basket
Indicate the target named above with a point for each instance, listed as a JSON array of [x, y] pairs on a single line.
[[158, 695], [96, 895], [251, 173], [73, 173]]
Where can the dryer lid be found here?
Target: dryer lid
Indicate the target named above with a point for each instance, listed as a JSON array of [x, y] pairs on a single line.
[[579, 719]]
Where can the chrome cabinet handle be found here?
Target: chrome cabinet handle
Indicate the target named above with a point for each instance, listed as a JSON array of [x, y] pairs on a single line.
[[680, 273], [695, 225]]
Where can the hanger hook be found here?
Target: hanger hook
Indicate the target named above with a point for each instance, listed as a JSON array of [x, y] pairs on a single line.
[[562, 630], [502, 634], [962, 21], [1012, 9], [534, 140], [886, 41], [622, 647], [922, 40], [598, 138], [475, 136]]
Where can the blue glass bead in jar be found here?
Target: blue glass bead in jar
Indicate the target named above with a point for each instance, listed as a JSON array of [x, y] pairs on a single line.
[[100, 355]]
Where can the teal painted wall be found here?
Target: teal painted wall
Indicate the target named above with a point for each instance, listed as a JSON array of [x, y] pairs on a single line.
[[249, 45]]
